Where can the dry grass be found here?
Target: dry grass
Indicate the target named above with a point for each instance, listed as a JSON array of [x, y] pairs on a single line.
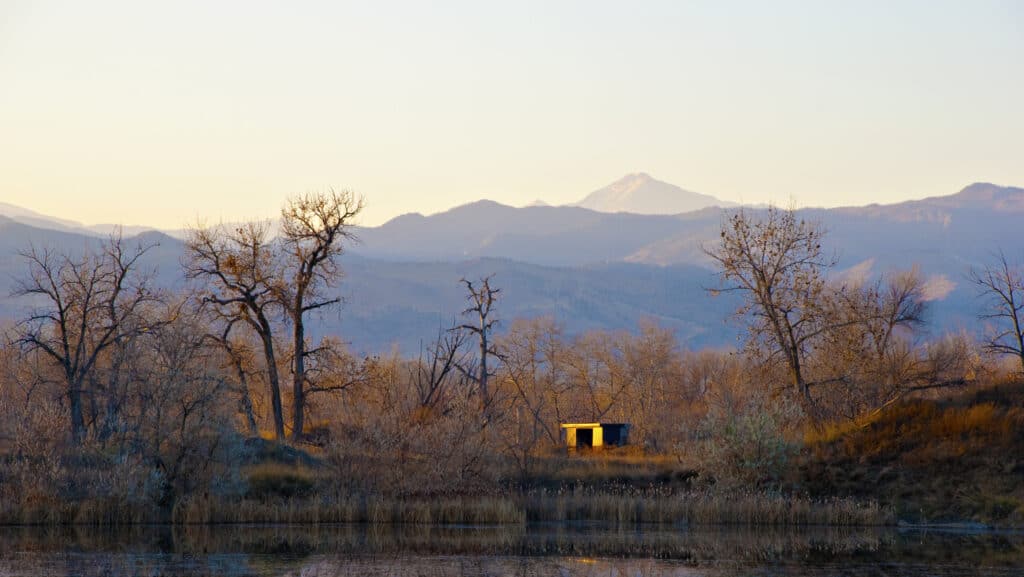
[[706, 508], [698, 508], [623, 509], [955, 459], [622, 487], [343, 541], [609, 470], [370, 510], [279, 480], [93, 512]]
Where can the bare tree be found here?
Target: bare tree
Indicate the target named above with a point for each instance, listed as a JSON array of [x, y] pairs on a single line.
[[777, 263], [598, 374], [869, 350], [241, 272], [532, 359], [239, 356], [90, 304], [535, 368], [481, 299], [1002, 286], [330, 368], [180, 417], [313, 228], [899, 303], [432, 375], [654, 370]]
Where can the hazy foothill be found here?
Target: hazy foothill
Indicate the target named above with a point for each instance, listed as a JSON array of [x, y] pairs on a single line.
[[853, 366]]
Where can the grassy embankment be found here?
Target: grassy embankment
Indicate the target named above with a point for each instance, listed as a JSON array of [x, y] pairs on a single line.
[[954, 459], [622, 487], [957, 459]]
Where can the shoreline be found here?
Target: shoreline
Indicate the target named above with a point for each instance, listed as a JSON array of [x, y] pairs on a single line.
[[682, 510]]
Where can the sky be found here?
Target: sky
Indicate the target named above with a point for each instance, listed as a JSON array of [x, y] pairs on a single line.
[[162, 113]]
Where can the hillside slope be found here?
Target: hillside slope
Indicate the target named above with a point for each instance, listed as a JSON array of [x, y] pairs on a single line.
[[404, 304], [954, 459]]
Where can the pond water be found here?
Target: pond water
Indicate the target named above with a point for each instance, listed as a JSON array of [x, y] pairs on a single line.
[[536, 550]]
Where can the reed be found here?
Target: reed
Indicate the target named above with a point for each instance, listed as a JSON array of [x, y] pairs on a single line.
[[703, 508], [374, 510], [92, 511], [694, 508], [706, 508]]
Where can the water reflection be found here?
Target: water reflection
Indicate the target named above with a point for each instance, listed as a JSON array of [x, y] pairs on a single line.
[[555, 550]]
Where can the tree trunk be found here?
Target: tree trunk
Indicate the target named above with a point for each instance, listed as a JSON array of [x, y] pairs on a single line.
[[250, 416], [77, 417], [299, 377], [275, 385], [789, 343], [484, 394], [1020, 340]]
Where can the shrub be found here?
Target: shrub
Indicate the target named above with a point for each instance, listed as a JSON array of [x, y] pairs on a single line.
[[748, 447]]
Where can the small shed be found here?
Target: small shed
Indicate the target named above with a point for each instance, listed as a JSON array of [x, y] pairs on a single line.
[[593, 435]]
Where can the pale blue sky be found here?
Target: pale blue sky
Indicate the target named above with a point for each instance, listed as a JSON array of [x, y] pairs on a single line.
[[156, 113]]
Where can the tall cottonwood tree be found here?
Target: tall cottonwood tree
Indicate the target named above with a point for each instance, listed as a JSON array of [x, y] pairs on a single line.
[[1001, 284], [242, 272], [90, 304], [314, 228], [775, 260]]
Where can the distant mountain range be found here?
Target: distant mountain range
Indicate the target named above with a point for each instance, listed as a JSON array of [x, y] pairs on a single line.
[[30, 217], [591, 269], [390, 303], [636, 193]]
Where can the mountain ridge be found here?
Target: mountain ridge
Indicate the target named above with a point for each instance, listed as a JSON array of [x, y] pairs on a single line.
[[1001, 198], [589, 269]]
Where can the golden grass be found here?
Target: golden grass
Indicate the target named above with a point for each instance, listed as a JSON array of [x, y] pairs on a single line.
[[706, 508], [952, 459], [925, 429]]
